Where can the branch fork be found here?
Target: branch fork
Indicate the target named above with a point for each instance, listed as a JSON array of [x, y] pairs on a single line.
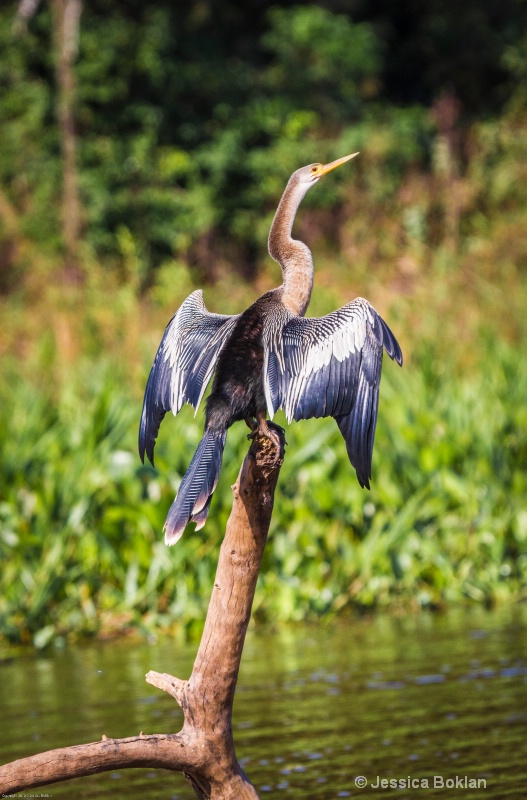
[[204, 748]]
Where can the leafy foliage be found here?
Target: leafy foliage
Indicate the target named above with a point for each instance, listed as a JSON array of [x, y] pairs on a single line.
[[200, 114], [190, 117]]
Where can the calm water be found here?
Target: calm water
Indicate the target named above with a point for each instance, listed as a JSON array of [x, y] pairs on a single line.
[[426, 698]]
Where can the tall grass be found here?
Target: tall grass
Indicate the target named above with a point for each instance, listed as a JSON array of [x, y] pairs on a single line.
[[81, 519]]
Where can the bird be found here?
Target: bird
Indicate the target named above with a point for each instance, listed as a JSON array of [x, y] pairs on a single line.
[[270, 356]]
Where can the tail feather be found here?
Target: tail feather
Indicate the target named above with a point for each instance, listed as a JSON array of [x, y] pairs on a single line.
[[196, 489], [201, 517]]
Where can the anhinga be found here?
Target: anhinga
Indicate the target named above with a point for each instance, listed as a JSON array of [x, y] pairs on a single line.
[[266, 358]]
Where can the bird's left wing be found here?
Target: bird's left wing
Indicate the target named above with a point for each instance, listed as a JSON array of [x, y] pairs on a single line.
[[331, 367], [183, 365]]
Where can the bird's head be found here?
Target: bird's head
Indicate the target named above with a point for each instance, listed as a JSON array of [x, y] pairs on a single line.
[[299, 183], [307, 176]]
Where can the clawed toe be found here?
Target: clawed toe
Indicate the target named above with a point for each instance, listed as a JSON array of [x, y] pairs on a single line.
[[270, 430], [273, 432], [253, 425]]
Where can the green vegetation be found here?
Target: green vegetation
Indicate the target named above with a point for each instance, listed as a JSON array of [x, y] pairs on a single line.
[[81, 520], [187, 129]]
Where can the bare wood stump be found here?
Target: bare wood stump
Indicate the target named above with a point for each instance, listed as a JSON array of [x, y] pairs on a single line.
[[204, 748]]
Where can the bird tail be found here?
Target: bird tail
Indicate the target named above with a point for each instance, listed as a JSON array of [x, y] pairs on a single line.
[[196, 489]]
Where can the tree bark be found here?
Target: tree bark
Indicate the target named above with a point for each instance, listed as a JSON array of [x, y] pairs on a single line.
[[204, 748], [66, 20]]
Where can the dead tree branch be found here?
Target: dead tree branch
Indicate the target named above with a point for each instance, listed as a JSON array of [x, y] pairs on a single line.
[[204, 748]]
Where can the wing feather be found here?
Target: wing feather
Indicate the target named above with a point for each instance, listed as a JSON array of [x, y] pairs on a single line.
[[183, 365], [331, 366]]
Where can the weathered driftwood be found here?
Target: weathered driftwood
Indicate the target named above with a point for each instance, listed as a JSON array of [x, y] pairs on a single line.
[[204, 748]]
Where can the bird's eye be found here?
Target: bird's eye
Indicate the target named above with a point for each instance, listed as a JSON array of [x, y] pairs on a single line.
[[314, 169]]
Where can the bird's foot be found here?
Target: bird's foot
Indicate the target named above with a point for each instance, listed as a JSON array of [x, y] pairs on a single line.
[[270, 430], [272, 426]]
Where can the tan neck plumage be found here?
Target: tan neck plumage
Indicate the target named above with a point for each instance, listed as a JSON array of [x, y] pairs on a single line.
[[293, 256]]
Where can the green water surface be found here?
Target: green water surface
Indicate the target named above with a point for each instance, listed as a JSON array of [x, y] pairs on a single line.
[[431, 703]]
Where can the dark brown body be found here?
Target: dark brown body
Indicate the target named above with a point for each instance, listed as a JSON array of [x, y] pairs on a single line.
[[238, 391]]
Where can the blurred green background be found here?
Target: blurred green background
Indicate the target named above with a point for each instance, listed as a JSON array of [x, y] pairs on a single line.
[[143, 150]]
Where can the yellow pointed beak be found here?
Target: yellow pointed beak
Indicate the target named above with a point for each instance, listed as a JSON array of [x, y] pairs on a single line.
[[325, 168]]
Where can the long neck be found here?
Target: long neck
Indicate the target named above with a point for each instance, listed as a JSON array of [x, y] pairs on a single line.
[[293, 256]]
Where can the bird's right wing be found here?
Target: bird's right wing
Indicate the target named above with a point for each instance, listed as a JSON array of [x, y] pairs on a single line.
[[331, 367], [183, 365]]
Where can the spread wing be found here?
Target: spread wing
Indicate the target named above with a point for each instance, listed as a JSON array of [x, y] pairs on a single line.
[[183, 365], [331, 367]]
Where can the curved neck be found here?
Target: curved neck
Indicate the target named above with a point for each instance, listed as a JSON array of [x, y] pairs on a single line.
[[293, 256]]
